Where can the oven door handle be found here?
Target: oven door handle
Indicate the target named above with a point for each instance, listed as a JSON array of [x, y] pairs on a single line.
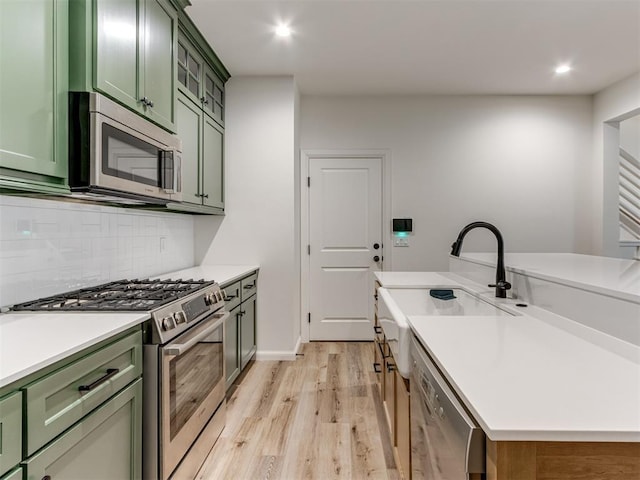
[[176, 349]]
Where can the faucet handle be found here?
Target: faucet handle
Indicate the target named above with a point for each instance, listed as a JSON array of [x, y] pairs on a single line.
[[502, 284]]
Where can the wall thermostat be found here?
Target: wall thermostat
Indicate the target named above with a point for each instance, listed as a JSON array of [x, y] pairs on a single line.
[[402, 225]]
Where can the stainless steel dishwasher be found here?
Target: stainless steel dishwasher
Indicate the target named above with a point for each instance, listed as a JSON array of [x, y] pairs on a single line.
[[446, 443]]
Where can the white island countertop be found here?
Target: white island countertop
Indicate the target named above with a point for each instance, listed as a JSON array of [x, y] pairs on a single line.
[[32, 341], [534, 376], [616, 277]]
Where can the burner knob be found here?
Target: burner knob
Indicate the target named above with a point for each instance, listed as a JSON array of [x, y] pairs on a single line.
[[219, 296], [209, 299], [168, 323], [180, 317]]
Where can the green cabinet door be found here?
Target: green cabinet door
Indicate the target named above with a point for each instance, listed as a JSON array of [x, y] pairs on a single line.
[[212, 164], [33, 94], [10, 431], [131, 45], [160, 40], [231, 352], [105, 445], [14, 475], [247, 330], [116, 50], [189, 116]]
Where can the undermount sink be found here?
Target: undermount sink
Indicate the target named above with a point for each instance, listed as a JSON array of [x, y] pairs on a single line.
[[396, 304]]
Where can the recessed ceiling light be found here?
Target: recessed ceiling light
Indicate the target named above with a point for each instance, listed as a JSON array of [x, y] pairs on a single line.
[[560, 69], [283, 31]]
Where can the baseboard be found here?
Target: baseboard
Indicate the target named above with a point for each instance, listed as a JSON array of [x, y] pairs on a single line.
[[279, 355]]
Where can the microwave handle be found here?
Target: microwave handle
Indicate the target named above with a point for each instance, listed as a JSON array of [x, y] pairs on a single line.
[[177, 172], [170, 163]]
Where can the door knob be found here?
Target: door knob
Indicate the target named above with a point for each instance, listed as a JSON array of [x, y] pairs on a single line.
[[376, 258], [376, 246]]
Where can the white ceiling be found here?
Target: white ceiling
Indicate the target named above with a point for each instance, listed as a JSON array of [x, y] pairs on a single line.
[[428, 46]]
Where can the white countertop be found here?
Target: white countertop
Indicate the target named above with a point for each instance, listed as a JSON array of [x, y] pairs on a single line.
[[616, 277], [536, 376], [32, 341], [223, 274]]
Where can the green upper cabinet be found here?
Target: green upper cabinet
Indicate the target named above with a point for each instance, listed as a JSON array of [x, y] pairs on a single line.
[[126, 49], [33, 95], [200, 124]]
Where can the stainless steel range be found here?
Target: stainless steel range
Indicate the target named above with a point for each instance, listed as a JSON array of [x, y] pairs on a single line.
[[183, 376]]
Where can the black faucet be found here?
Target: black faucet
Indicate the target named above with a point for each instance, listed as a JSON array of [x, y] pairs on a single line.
[[501, 283]]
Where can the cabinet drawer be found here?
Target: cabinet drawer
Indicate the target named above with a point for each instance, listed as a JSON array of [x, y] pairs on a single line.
[[64, 397], [233, 296], [107, 444], [249, 286], [10, 431]]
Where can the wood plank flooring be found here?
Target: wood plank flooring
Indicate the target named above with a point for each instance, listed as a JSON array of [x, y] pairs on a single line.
[[314, 418]]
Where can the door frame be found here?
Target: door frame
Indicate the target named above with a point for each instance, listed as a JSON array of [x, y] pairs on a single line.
[[305, 157]]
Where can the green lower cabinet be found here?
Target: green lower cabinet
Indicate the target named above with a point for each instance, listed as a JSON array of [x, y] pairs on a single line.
[[247, 330], [231, 357], [10, 431], [14, 475], [33, 95], [105, 445]]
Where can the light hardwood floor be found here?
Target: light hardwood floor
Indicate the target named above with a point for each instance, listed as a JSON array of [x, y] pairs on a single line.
[[315, 418]]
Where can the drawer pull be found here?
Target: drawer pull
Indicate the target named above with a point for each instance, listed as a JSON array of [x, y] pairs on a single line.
[[46, 477], [110, 373], [377, 329], [376, 367], [249, 286]]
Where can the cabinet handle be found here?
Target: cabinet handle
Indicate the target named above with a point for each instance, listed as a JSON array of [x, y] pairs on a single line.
[[46, 477], [376, 367], [204, 101], [150, 103], [249, 286], [197, 195], [205, 195], [377, 329], [391, 367], [110, 373]]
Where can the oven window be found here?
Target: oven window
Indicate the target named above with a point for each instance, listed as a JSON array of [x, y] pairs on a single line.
[[192, 377], [128, 157]]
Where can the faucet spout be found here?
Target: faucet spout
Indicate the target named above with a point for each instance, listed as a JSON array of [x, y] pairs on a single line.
[[501, 284]]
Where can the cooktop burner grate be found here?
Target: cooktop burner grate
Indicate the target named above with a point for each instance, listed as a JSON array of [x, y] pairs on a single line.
[[122, 295]]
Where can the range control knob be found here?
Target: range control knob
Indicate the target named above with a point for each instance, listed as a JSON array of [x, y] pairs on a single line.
[[180, 317], [168, 323], [209, 299]]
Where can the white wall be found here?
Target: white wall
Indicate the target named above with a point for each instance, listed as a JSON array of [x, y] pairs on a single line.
[[49, 247], [512, 161], [260, 222], [613, 103]]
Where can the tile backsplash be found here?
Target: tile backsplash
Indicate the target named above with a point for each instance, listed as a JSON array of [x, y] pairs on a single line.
[[49, 247]]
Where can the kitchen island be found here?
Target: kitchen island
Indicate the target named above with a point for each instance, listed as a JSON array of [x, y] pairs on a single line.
[[556, 398]]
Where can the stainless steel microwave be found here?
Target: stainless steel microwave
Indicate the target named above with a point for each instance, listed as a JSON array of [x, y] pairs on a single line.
[[118, 156]]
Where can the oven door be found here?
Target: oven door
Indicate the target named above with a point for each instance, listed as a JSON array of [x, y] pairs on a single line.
[[192, 387]]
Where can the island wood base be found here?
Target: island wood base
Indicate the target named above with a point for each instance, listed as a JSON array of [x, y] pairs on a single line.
[[563, 461]]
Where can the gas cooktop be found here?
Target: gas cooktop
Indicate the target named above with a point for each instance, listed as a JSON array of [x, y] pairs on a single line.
[[121, 295]]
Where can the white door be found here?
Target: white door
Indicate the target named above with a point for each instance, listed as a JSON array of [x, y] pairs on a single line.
[[345, 234]]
